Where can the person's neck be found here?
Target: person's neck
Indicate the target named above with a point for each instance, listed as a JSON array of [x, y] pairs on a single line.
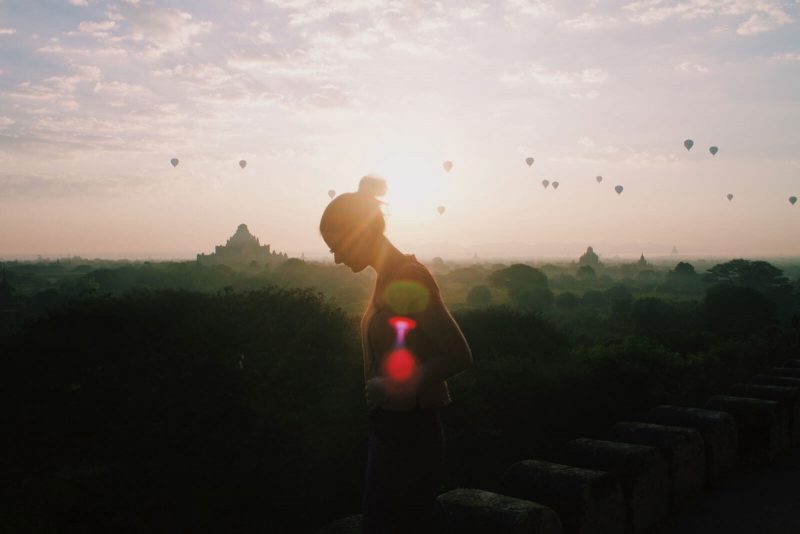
[[386, 258]]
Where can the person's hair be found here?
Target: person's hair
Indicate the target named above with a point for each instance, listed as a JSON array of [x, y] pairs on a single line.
[[354, 216]]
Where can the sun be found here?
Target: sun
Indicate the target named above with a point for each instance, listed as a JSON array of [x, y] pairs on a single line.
[[417, 184]]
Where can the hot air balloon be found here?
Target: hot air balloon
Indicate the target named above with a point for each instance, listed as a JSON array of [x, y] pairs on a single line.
[[447, 165], [599, 179], [792, 200], [174, 162], [242, 164], [618, 189], [555, 185], [440, 209], [545, 183], [529, 161], [713, 150], [331, 193], [730, 196], [688, 144]]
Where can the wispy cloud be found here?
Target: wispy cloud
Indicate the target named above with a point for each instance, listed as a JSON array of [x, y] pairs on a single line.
[[146, 29], [786, 56], [556, 78], [759, 15], [588, 22], [532, 8], [688, 66]]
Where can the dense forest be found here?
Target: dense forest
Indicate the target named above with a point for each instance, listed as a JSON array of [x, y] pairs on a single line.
[[163, 397]]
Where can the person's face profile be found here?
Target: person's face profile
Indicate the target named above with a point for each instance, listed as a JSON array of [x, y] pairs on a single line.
[[350, 252]]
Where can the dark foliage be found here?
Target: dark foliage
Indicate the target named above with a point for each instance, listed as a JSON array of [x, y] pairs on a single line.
[[479, 296], [736, 310], [176, 411], [517, 277]]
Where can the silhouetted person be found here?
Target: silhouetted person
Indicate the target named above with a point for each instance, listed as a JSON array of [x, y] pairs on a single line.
[[404, 393]]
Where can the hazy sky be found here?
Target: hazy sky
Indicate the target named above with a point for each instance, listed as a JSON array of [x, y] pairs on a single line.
[[96, 97]]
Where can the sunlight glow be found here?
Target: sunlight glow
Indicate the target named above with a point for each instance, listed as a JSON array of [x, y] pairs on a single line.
[[417, 182]]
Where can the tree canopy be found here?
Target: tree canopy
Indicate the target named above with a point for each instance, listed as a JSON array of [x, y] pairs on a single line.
[[517, 277]]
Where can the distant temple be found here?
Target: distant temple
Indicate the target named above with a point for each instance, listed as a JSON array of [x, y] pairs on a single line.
[[642, 262], [241, 250], [674, 249], [589, 258], [8, 311]]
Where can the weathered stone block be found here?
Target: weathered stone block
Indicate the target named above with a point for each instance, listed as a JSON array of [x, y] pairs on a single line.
[[776, 380], [474, 511], [345, 525], [787, 395], [786, 371], [587, 501], [720, 436], [763, 426], [642, 472], [682, 448]]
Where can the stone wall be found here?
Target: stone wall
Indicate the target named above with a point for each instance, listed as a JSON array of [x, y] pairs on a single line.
[[642, 472]]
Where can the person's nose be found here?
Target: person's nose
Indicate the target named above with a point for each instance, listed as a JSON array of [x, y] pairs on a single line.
[[336, 259]]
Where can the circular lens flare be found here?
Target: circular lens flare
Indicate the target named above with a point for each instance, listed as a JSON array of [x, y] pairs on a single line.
[[400, 365]]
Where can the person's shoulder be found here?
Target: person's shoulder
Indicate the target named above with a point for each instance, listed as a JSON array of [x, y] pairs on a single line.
[[410, 290], [415, 271]]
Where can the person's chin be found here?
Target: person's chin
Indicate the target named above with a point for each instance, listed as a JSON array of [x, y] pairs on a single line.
[[357, 268]]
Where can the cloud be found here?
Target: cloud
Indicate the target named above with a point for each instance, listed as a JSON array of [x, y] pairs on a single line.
[[151, 31], [588, 21], [687, 66], [119, 94], [295, 63], [328, 97], [345, 40], [587, 95], [260, 30], [578, 84], [305, 12], [531, 8], [6, 121], [135, 29], [593, 150], [79, 3], [203, 74], [85, 53], [757, 24], [762, 15], [787, 56], [56, 91], [92, 27], [473, 13], [556, 78], [7, 31], [417, 48]]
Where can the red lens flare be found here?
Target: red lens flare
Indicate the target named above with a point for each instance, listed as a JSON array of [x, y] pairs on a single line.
[[402, 325], [400, 365]]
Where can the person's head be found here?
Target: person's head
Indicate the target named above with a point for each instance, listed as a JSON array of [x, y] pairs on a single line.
[[353, 224]]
